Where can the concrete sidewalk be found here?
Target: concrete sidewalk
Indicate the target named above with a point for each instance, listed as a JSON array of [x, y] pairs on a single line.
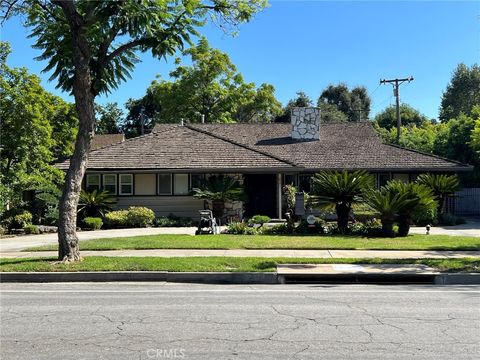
[[320, 254]]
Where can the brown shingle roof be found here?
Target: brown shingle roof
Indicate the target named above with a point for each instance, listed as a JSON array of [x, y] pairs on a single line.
[[180, 148], [259, 147], [100, 141], [341, 146]]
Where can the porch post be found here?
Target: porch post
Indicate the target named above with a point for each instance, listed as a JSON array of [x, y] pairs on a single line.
[[279, 195]]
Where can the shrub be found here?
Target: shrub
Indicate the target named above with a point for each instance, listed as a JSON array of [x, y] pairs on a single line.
[[95, 203], [22, 220], [140, 216], [93, 223], [16, 219], [317, 228], [370, 228], [428, 217], [280, 229], [3, 231], [240, 228], [31, 229], [174, 221], [259, 219], [116, 219]]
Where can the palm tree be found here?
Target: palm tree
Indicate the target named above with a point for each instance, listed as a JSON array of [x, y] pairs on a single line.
[[422, 198], [95, 203], [219, 189], [388, 204], [441, 186], [342, 189]]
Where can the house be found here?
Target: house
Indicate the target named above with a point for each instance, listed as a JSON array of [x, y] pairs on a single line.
[[102, 140], [158, 170]]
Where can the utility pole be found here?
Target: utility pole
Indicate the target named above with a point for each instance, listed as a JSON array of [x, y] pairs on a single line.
[[396, 84]]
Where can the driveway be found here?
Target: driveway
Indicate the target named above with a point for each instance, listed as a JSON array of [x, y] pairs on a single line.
[[21, 242], [471, 228]]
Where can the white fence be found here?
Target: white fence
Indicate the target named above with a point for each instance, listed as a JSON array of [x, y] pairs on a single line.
[[465, 202]]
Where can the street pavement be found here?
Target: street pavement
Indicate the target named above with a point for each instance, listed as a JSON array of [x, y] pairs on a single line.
[[194, 321]]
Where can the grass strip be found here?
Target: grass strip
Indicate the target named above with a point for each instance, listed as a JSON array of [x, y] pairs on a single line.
[[214, 264], [306, 242]]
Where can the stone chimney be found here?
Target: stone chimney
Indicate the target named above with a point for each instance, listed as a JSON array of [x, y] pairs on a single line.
[[305, 123]]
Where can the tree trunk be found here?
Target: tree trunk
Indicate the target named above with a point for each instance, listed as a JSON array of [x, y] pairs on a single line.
[[387, 227], [343, 212], [403, 225], [218, 209], [68, 249]]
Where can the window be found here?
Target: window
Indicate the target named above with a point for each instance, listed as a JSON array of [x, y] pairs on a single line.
[[110, 183], [305, 182], [164, 184], [402, 177], [93, 182], [290, 179], [383, 179], [180, 184], [198, 180], [126, 184]]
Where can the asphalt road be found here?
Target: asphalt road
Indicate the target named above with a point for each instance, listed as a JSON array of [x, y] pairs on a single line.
[[192, 321]]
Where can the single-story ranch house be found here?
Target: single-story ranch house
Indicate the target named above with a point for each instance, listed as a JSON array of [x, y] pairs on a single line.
[[158, 170]]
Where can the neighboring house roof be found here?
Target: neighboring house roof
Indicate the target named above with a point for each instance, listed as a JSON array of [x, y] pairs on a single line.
[[262, 147], [100, 141]]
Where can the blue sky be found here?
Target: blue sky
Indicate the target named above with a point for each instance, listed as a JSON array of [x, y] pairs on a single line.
[[306, 45]]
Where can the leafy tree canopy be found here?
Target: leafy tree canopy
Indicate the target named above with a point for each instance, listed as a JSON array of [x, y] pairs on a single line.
[[301, 100], [354, 104], [462, 93], [108, 117], [388, 118], [37, 129], [211, 86]]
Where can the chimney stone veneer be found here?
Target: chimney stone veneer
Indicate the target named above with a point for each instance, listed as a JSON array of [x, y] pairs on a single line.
[[305, 123]]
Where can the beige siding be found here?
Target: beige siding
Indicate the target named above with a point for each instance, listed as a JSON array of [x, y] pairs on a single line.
[[185, 206], [145, 184]]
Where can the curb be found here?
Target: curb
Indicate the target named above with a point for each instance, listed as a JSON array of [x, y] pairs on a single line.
[[216, 277], [107, 276]]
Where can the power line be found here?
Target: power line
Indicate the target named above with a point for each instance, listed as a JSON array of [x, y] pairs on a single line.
[[396, 92]]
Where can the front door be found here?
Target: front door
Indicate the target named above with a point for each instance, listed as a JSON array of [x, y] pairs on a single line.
[[260, 190]]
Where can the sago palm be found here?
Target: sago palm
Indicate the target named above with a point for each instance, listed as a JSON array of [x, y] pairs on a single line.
[[423, 200], [342, 189], [95, 203], [441, 186], [220, 189], [388, 204]]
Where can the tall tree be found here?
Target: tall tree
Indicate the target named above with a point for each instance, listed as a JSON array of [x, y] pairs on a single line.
[[210, 86], [108, 118], [301, 100], [91, 47], [387, 118], [35, 131], [462, 92], [141, 115], [354, 104]]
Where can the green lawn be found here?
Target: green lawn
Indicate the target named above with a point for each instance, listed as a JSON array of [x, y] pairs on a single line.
[[411, 242], [217, 264]]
